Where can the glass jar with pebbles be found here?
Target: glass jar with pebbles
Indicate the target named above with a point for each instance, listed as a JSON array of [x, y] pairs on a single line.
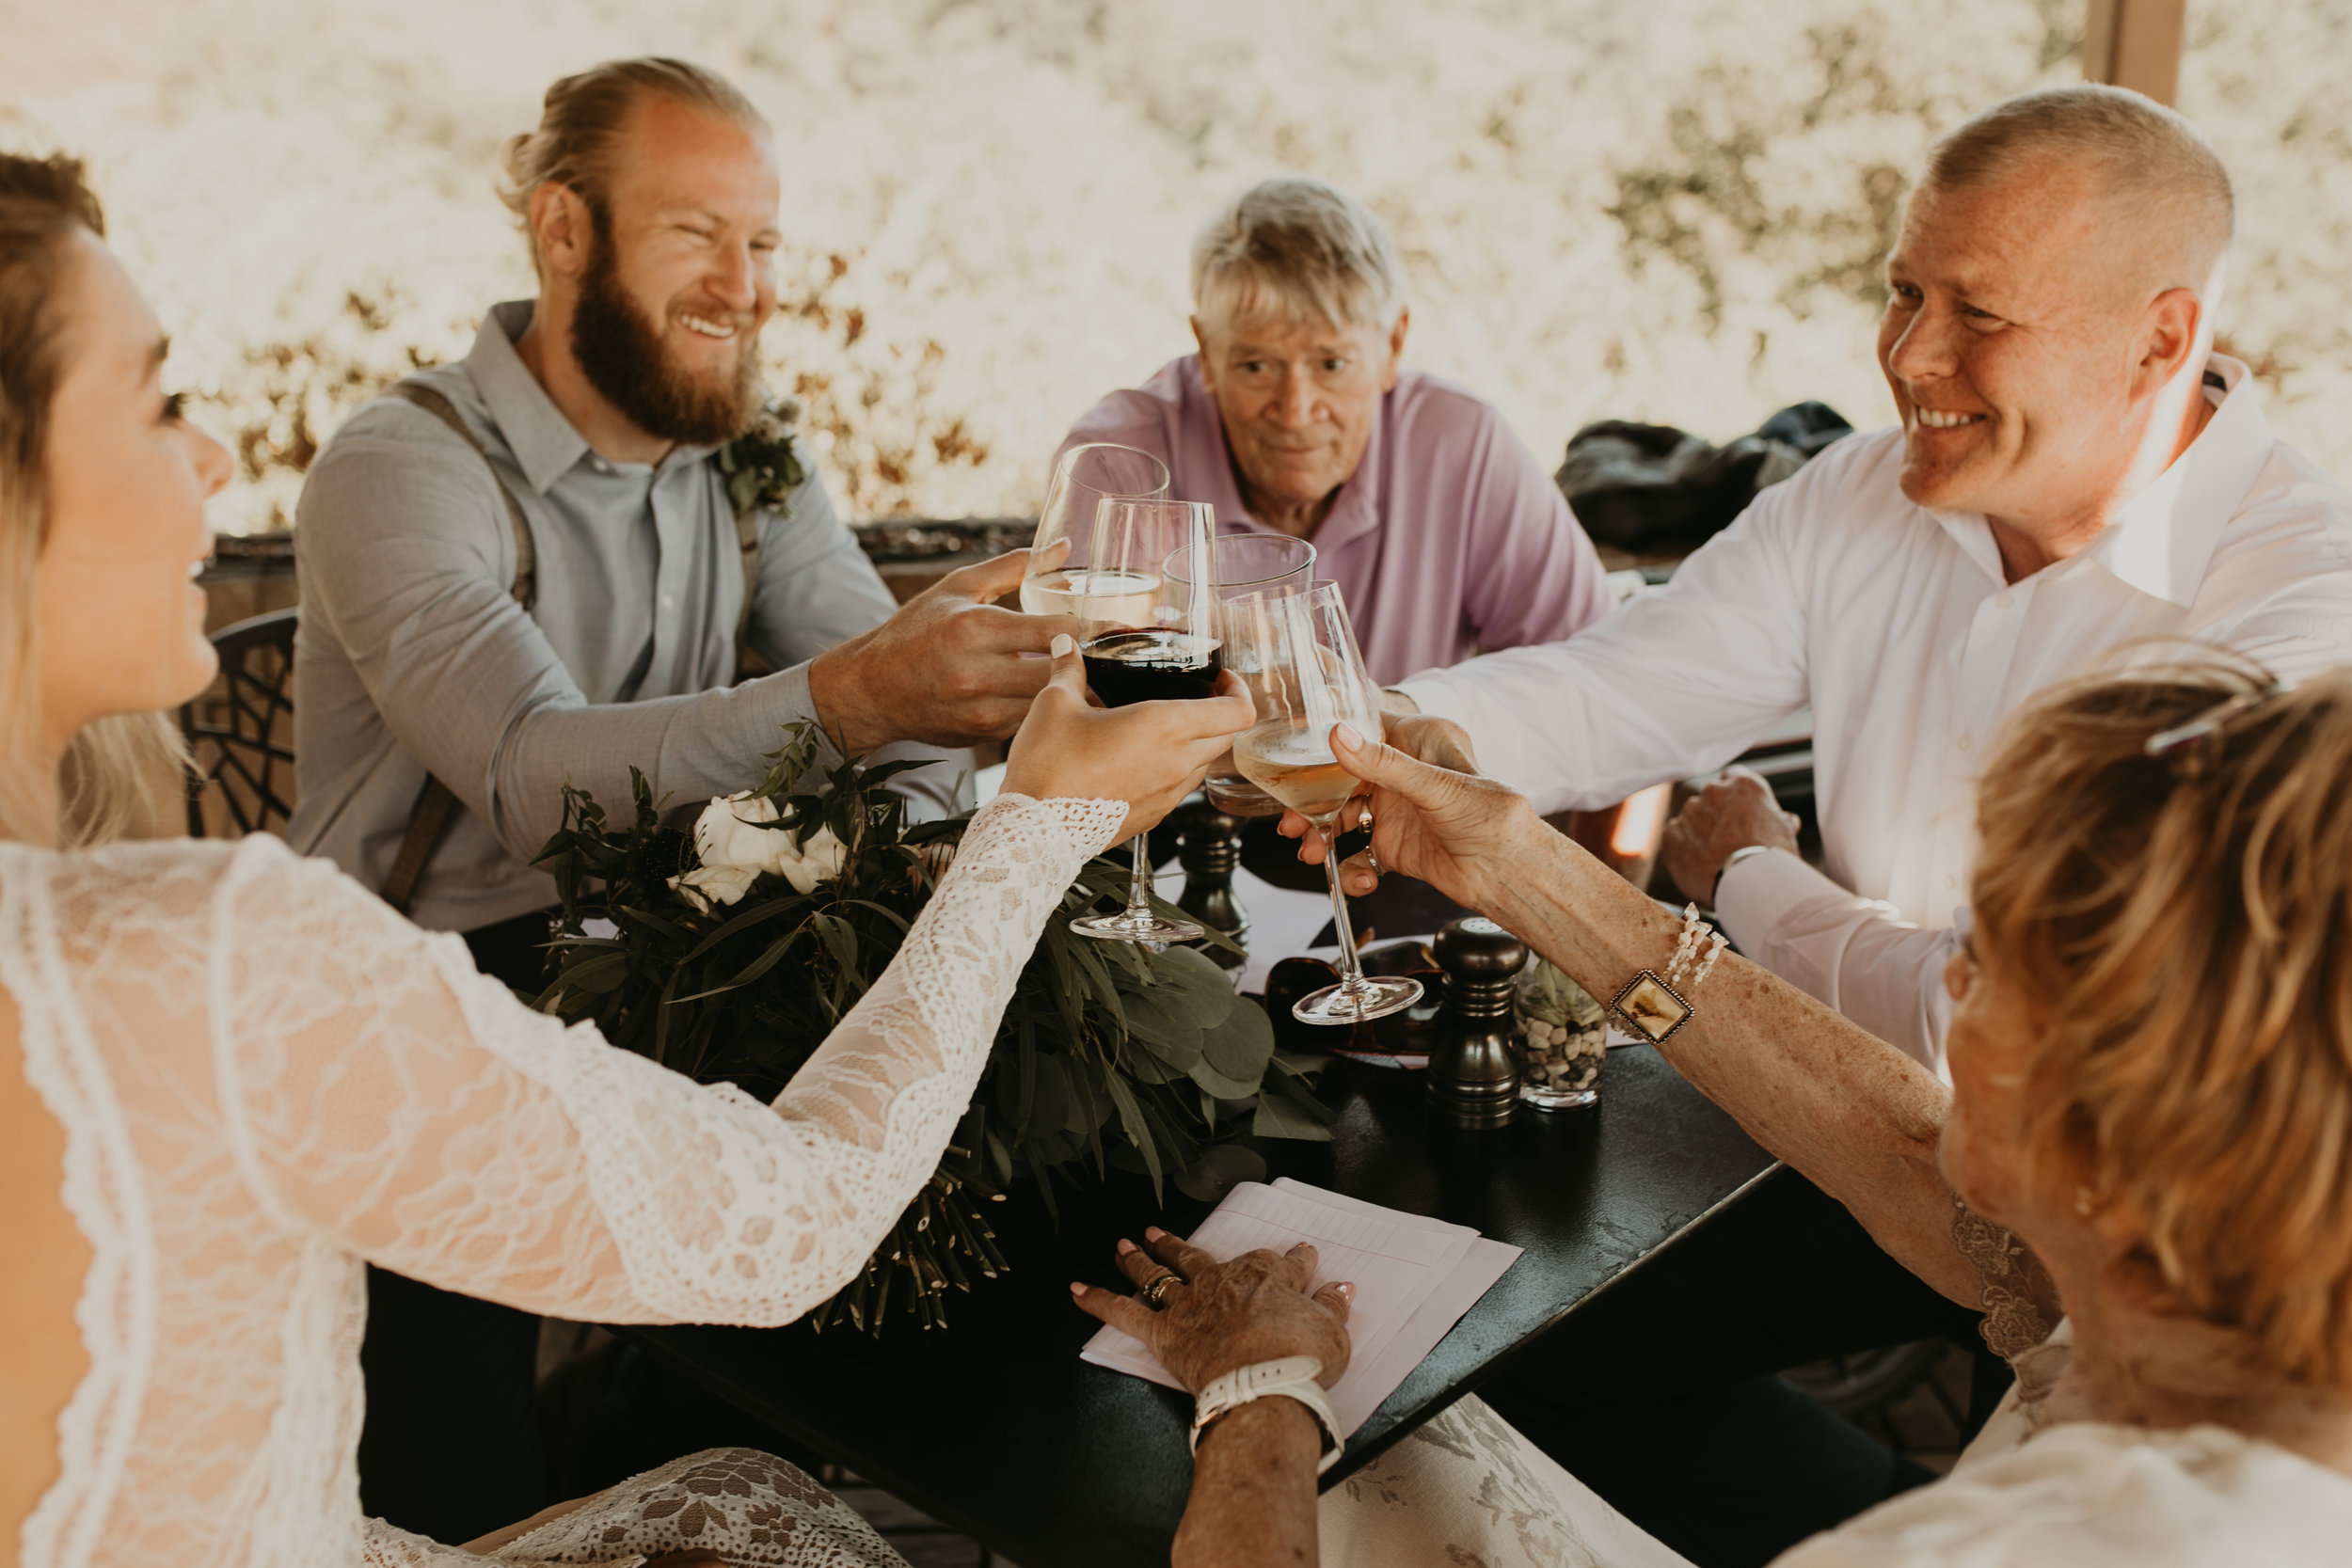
[[1563, 1043]]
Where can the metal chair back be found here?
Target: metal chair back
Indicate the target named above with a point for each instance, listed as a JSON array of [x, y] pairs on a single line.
[[241, 731]]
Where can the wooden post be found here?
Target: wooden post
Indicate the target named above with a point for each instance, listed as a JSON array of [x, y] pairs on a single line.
[[2134, 45]]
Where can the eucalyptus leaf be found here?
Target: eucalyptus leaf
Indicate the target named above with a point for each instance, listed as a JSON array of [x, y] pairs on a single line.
[[1207, 990], [1218, 1085], [1171, 1037], [1130, 1117], [1242, 1045], [1148, 1067], [1280, 1117], [1219, 1170]]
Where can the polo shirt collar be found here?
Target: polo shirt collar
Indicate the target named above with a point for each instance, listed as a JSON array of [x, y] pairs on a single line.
[[1355, 510], [544, 444], [2161, 541]]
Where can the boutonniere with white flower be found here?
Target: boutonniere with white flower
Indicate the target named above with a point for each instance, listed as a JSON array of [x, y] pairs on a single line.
[[765, 465], [740, 836]]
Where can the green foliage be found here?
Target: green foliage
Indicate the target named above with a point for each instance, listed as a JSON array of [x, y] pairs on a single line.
[[1108, 1055]]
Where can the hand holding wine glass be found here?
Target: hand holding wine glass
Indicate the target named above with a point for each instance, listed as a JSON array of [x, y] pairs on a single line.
[[1147, 637], [1307, 678], [1148, 754]]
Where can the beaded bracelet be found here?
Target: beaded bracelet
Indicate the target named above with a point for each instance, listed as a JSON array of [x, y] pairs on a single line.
[[1649, 1004]]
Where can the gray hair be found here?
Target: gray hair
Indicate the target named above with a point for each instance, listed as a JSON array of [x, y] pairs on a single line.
[[2148, 156], [1303, 247], [581, 118]]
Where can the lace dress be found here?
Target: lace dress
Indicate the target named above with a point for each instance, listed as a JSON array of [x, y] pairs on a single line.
[[266, 1078]]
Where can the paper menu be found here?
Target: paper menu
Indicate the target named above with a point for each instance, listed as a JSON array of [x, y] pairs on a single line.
[[1415, 1276]]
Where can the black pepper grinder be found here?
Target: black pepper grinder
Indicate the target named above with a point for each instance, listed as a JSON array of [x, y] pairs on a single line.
[[1209, 848], [1473, 1073]]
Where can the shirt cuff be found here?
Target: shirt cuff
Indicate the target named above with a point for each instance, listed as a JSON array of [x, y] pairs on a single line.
[[1752, 898], [1436, 697]]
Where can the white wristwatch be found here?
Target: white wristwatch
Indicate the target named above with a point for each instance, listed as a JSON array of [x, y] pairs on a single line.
[[1292, 1376]]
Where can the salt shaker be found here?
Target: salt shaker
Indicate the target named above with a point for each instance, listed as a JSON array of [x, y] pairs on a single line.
[[1473, 1077], [1208, 848]]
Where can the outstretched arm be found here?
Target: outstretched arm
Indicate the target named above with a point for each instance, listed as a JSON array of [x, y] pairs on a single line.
[[1855, 1115], [384, 1095]]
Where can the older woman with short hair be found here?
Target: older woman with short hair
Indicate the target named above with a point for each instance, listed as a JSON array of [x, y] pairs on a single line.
[[1296, 417], [2141, 1172]]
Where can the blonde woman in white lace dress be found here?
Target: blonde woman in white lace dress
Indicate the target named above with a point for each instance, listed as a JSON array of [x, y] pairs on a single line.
[[228, 1077], [2142, 1171]]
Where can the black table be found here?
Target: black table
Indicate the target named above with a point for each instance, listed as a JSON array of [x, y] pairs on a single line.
[[997, 1428]]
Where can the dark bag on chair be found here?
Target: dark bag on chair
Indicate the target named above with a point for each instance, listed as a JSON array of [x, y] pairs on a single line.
[[1650, 489]]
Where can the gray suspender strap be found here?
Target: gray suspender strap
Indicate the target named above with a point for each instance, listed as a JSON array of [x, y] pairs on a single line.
[[747, 540], [436, 803]]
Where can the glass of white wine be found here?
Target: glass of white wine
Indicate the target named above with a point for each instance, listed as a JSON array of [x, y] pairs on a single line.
[[1243, 564], [1086, 476], [1297, 654]]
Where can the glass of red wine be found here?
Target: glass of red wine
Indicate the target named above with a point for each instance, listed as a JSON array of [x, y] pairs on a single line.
[[1147, 636]]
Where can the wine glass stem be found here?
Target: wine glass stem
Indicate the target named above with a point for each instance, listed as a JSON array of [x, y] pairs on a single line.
[[1139, 881], [1351, 972]]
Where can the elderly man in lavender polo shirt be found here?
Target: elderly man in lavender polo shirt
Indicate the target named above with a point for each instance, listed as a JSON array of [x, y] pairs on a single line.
[[1443, 530]]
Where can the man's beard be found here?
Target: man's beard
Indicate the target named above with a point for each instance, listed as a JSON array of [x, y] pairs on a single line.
[[619, 347]]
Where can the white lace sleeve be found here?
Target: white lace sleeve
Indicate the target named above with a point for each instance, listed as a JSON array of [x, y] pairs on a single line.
[[379, 1091]]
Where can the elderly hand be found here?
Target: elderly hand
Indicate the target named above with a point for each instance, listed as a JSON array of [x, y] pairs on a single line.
[[1458, 831], [1214, 1317], [1734, 812], [1148, 754], [1439, 741], [946, 670]]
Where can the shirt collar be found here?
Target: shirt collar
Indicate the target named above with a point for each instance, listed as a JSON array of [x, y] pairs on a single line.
[[543, 442], [2161, 540], [1355, 510]]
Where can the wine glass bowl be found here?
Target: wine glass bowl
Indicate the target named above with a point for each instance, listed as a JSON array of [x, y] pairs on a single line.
[[1297, 654], [1086, 476], [1244, 565], [1145, 636]]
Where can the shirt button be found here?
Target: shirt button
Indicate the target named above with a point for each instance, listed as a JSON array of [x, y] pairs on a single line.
[[669, 601], [1965, 742], [2006, 600], [1949, 881]]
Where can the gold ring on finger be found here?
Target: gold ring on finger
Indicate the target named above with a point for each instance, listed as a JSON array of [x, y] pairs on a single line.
[[1157, 1287]]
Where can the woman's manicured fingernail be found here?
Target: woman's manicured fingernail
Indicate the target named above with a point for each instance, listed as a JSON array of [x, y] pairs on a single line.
[[1125, 1246], [1063, 645], [1346, 1288], [1345, 734]]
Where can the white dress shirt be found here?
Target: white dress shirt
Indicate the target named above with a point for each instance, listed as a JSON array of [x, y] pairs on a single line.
[[1895, 624]]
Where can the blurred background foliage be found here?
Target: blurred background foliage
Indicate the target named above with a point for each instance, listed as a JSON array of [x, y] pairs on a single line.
[[1674, 212]]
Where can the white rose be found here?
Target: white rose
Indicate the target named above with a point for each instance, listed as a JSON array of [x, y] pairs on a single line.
[[734, 850]]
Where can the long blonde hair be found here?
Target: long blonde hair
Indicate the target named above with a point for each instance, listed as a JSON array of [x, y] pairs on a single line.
[[124, 776], [2181, 926]]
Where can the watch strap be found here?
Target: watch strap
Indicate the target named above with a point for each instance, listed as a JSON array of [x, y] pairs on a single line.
[[1292, 1377]]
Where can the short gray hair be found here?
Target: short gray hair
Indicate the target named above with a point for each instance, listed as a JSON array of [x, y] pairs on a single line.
[[1303, 247], [2147, 155]]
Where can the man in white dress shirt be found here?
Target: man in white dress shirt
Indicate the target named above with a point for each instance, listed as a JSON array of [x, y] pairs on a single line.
[[2076, 475]]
